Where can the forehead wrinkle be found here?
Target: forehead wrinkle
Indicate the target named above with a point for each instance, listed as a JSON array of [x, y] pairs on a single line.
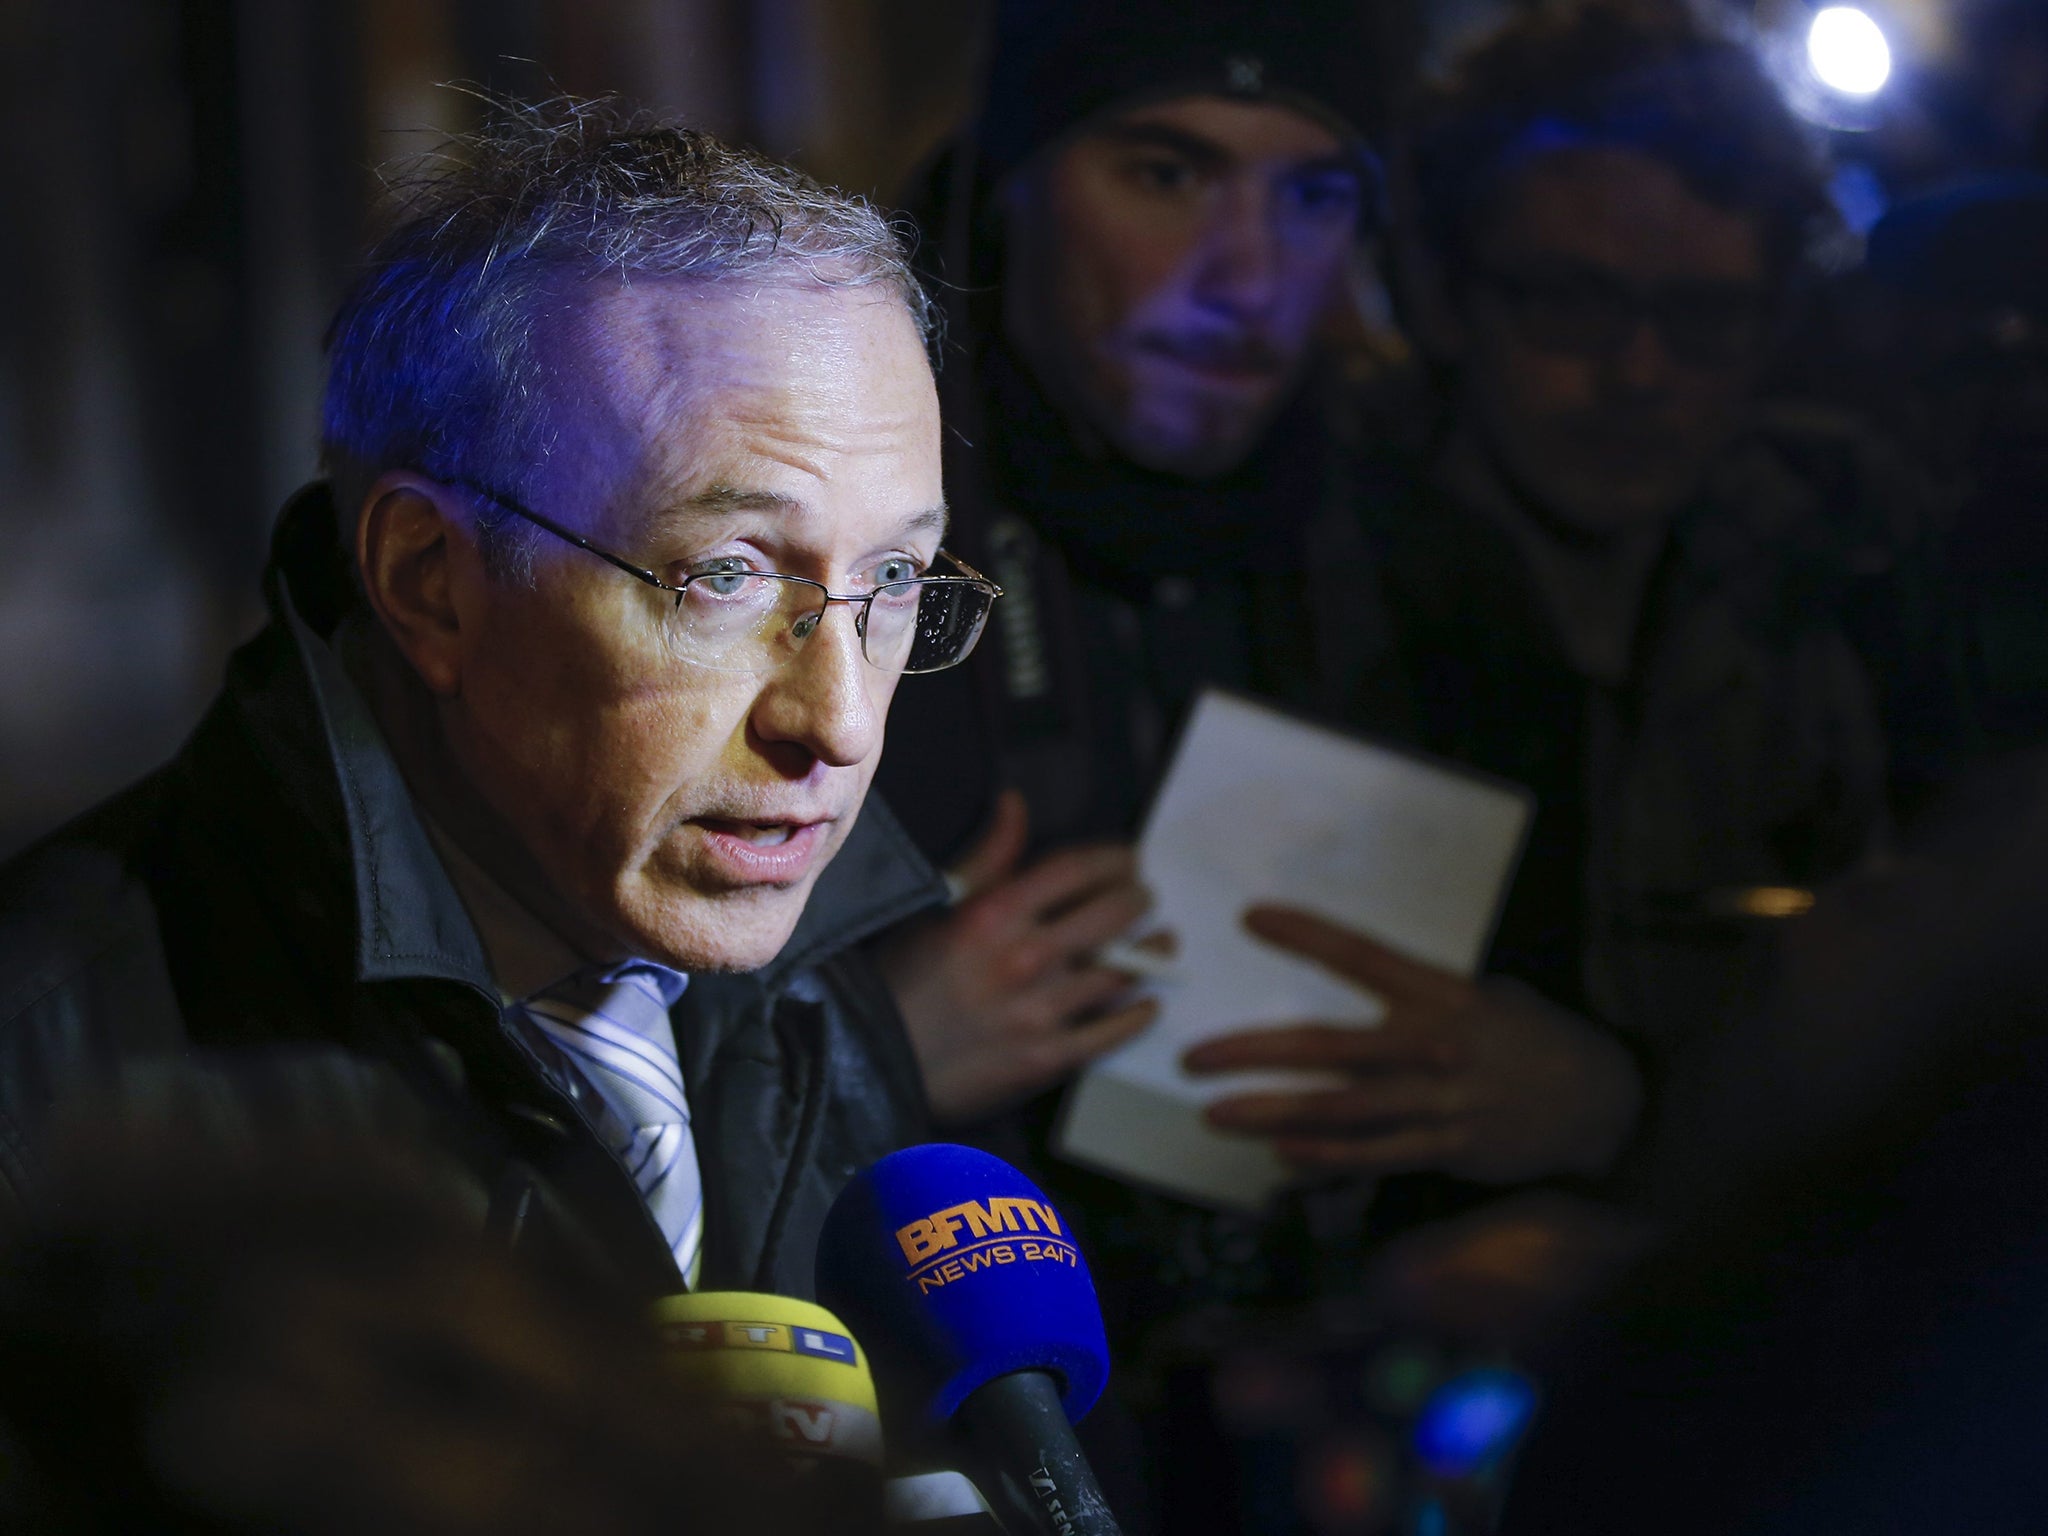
[[697, 456], [812, 433], [722, 499], [689, 395], [636, 367]]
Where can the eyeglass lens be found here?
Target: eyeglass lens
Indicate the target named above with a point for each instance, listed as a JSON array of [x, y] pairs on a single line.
[[1587, 315], [757, 622]]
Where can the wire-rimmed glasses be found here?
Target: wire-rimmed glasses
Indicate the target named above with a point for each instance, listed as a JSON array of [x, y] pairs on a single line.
[[1585, 312], [757, 621]]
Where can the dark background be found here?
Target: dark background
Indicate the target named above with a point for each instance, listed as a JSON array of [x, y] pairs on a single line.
[[188, 181]]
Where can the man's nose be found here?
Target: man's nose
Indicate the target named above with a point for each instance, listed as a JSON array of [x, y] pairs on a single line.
[[821, 699], [1239, 257]]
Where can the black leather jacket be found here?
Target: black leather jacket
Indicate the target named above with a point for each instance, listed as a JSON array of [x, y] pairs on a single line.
[[270, 894]]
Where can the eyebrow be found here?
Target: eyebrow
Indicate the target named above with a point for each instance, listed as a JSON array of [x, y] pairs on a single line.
[[1207, 153], [731, 498]]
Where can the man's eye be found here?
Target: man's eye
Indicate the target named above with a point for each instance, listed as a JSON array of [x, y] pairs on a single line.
[[897, 568], [1333, 195], [1162, 173], [725, 577]]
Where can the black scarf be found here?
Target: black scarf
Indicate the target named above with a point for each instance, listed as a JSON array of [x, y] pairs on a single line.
[[1123, 527]]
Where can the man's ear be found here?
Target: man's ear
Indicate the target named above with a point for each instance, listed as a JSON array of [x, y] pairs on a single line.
[[409, 538]]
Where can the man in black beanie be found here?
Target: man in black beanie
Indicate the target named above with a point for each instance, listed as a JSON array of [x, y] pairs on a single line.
[[1144, 234]]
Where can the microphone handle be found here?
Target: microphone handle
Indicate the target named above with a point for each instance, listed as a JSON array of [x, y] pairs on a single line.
[[1029, 1466]]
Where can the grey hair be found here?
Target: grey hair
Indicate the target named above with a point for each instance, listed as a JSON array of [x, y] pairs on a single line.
[[432, 359]]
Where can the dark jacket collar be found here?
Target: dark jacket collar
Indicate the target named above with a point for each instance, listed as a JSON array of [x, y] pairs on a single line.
[[410, 924], [878, 879]]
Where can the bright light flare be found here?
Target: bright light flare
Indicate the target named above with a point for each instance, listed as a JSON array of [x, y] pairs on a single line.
[[1848, 51]]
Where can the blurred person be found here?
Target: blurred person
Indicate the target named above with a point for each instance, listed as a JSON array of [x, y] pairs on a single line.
[[574, 684], [1617, 579], [297, 1327]]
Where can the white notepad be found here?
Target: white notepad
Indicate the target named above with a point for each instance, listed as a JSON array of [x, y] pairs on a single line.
[[1259, 806]]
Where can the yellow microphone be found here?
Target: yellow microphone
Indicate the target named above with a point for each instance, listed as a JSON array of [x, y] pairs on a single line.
[[792, 1373], [776, 1366]]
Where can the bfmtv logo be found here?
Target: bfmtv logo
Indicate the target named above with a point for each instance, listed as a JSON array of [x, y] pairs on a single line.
[[950, 1245], [920, 1240]]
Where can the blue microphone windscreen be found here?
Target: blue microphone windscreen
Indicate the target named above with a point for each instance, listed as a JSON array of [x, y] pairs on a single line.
[[954, 1269]]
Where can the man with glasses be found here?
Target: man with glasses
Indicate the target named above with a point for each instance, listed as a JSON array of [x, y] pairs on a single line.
[[1146, 234], [536, 817], [1616, 578]]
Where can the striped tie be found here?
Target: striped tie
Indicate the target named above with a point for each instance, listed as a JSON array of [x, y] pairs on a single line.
[[612, 1024]]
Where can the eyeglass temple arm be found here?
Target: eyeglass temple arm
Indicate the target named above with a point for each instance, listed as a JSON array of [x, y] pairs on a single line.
[[639, 572], [970, 570]]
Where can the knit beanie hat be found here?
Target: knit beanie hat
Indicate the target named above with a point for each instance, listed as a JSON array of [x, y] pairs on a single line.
[[1057, 63]]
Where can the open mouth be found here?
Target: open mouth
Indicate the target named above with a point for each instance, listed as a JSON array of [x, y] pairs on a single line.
[[741, 851], [760, 834]]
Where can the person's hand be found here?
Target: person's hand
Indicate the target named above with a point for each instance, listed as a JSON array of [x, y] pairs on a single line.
[[1001, 995], [1483, 1080]]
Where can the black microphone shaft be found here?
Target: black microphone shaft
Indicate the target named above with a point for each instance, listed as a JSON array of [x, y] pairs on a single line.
[[1028, 1464]]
